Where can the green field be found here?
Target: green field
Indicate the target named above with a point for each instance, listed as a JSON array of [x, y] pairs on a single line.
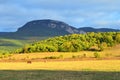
[[57, 75], [11, 44]]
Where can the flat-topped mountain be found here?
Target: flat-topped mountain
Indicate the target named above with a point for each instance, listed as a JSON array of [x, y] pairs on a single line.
[[46, 28], [49, 27]]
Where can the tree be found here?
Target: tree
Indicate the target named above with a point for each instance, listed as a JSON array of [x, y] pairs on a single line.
[[102, 46], [117, 38], [66, 47], [109, 40]]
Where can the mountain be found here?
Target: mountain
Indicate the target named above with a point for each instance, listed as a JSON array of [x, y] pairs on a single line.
[[49, 27], [90, 29], [46, 28]]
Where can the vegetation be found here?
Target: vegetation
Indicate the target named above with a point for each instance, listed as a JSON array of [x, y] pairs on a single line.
[[9, 45], [96, 55], [74, 43], [109, 53], [57, 75], [98, 65], [74, 46]]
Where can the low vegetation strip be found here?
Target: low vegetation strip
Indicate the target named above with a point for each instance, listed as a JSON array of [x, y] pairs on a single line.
[[99, 65], [57, 75]]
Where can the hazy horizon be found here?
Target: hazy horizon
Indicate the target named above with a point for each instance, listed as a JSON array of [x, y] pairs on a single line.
[[77, 13]]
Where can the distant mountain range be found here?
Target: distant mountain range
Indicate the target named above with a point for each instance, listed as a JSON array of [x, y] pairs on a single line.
[[49, 27]]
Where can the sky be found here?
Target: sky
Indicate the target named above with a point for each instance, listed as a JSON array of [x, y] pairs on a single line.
[[78, 13]]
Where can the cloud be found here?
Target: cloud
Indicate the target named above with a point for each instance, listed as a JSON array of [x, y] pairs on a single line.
[[15, 13]]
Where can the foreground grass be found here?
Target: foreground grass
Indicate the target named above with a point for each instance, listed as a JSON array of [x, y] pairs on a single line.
[[98, 65], [64, 70], [57, 75]]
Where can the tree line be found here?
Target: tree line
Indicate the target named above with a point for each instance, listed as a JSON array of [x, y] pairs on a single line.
[[74, 43]]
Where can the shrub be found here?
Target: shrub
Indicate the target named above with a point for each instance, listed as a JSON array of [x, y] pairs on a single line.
[[96, 55], [52, 57], [84, 55], [61, 57], [77, 56]]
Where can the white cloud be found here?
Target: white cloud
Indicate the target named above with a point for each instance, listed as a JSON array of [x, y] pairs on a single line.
[[15, 13]]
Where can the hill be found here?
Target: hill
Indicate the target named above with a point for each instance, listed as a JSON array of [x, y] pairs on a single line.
[[74, 43], [90, 29]]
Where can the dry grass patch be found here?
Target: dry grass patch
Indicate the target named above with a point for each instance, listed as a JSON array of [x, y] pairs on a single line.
[[98, 65]]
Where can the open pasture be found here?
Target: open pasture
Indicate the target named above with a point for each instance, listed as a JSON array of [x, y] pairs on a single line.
[[71, 70], [97, 65]]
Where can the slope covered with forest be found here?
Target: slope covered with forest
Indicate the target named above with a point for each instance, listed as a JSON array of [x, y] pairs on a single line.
[[74, 43]]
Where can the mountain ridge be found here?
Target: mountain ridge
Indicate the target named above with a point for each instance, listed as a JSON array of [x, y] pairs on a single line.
[[48, 27]]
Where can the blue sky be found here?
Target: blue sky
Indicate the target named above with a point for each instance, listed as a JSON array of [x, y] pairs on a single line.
[[78, 13]]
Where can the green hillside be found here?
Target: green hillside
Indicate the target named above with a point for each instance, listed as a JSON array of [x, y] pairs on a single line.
[[8, 44], [74, 43]]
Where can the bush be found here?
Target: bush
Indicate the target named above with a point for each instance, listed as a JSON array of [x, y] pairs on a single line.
[[52, 57], [61, 57], [77, 56], [96, 55], [84, 55]]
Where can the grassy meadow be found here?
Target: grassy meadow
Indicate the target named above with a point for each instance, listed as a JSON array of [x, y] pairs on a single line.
[[97, 65], [110, 53], [65, 70], [9, 44], [99, 69], [59, 70]]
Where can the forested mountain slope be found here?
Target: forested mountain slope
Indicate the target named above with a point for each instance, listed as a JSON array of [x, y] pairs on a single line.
[[74, 43]]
